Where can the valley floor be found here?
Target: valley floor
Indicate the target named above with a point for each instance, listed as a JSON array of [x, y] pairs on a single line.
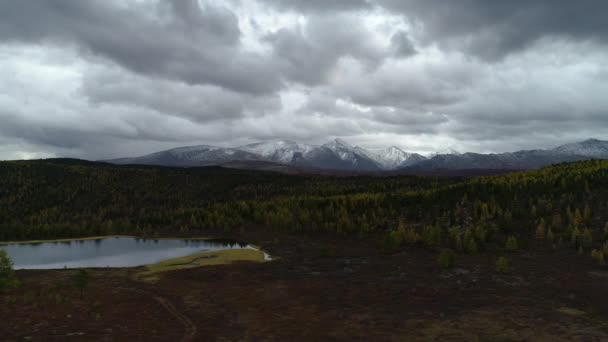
[[326, 289]]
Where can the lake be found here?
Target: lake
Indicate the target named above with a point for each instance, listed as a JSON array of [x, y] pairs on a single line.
[[110, 252]]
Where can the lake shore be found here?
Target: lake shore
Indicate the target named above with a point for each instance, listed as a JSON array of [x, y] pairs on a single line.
[[100, 238]]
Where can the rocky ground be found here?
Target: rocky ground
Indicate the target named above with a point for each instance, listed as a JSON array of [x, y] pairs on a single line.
[[321, 289]]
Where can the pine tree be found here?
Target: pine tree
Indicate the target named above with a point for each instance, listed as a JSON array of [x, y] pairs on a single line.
[[550, 235], [575, 237], [578, 219], [540, 230], [587, 213], [556, 221]]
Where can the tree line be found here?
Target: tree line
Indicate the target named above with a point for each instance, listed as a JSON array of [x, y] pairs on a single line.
[[558, 206]]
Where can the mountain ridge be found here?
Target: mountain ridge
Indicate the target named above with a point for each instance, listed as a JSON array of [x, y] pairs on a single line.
[[338, 154]]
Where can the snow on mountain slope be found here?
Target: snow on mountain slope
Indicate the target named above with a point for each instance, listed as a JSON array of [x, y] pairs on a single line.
[[593, 148], [346, 154], [392, 157], [447, 151], [282, 151], [340, 155], [189, 156]]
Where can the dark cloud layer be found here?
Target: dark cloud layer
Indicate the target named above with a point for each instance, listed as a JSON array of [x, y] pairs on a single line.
[[100, 79], [492, 29], [175, 39]]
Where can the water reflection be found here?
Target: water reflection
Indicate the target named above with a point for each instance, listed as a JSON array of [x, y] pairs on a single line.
[[110, 252]]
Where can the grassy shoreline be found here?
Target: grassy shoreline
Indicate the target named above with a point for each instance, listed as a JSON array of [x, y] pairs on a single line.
[[221, 257]]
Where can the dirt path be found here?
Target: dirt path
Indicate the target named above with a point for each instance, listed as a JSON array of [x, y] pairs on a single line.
[[190, 328]]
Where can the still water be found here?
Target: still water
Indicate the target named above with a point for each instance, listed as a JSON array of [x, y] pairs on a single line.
[[109, 252]]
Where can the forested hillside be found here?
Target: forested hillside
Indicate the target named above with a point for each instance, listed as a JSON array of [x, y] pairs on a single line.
[[560, 206]]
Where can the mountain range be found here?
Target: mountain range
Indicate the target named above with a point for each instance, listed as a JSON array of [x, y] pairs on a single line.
[[341, 156]]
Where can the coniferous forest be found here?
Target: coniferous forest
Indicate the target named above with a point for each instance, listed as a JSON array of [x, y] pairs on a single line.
[[563, 206]]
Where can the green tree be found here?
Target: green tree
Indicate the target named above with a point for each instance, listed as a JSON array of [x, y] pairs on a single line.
[[587, 213], [540, 230], [550, 235], [578, 219], [556, 221], [8, 280]]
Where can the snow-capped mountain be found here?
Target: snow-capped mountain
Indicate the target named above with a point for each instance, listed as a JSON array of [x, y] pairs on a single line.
[[282, 151], [190, 156], [393, 157], [446, 151], [340, 155], [593, 148], [519, 160]]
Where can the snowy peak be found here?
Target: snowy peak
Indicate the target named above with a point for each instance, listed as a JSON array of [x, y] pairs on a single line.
[[282, 151], [339, 144], [340, 155], [447, 151], [592, 148], [391, 157]]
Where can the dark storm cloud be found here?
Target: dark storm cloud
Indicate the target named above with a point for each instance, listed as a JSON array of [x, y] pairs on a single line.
[[198, 103], [402, 44], [308, 52], [99, 79], [494, 28], [177, 39], [320, 5]]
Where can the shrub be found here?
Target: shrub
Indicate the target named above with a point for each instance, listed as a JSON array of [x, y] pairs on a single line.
[[8, 280], [391, 243], [586, 239], [503, 265], [598, 255], [410, 236], [432, 235], [550, 235], [511, 244], [447, 258], [81, 280], [540, 230], [470, 245]]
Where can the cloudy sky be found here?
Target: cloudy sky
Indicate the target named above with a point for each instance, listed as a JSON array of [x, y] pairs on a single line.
[[102, 79]]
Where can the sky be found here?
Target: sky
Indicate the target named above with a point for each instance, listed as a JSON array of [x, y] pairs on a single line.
[[115, 78]]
